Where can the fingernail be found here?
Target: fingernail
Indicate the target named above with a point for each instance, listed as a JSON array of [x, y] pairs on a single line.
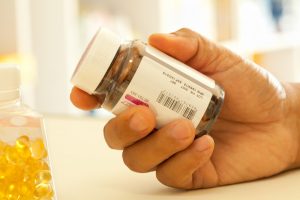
[[138, 123], [171, 35], [181, 130], [203, 143]]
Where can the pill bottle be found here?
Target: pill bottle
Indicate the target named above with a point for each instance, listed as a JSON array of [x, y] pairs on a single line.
[[124, 73], [24, 165]]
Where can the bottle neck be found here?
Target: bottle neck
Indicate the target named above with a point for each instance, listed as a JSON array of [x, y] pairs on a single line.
[[9, 98]]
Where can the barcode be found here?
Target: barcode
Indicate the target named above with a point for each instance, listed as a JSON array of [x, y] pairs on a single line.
[[176, 105]]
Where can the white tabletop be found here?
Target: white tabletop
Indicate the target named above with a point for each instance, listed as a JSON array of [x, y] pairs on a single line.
[[84, 168]]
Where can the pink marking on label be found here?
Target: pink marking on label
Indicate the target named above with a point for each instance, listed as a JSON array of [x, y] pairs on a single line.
[[135, 101]]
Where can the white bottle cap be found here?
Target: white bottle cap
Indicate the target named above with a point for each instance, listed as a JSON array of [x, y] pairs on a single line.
[[9, 82], [96, 60]]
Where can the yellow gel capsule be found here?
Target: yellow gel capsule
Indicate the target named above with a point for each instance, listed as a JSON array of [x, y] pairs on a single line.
[[28, 198], [26, 177], [33, 166], [22, 147], [3, 169], [38, 149], [12, 156], [12, 192], [2, 194], [3, 160], [43, 176], [43, 190], [2, 190], [13, 197], [26, 190], [2, 148], [14, 174], [43, 165], [22, 142]]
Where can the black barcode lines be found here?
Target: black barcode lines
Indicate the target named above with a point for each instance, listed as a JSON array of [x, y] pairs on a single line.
[[176, 105]]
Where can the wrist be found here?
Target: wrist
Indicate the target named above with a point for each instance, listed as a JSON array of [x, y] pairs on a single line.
[[293, 98]]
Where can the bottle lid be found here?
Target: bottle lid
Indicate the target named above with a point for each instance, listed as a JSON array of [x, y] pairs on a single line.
[[96, 60], [9, 82]]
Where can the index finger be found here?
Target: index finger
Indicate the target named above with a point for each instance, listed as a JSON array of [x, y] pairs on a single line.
[[195, 50], [84, 100]]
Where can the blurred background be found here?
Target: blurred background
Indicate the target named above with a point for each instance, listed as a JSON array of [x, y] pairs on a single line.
[[46, 38]]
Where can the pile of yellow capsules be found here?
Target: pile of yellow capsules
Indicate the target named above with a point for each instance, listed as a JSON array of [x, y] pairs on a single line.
[[24, 172]]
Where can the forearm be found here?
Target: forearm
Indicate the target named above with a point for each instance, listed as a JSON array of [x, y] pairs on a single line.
[[297, 109]]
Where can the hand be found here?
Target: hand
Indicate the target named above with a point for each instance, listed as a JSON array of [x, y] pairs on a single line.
[[255, 136]]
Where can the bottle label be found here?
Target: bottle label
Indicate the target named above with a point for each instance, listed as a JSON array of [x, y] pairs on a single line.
[[171, 89]]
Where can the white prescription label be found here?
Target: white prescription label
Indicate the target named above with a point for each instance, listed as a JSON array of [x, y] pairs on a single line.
[[180, 67], [169, 94]]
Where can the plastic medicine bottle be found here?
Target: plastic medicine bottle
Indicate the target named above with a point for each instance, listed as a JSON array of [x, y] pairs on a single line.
[[134, 73], [24, 164]]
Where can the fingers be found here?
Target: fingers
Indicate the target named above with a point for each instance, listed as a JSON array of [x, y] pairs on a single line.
[[83, 100], [147, 153], [191, 168], [195, 50], [129, 127], [180, 161]]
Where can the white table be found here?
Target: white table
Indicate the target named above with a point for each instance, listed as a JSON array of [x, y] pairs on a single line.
[[84, 168]]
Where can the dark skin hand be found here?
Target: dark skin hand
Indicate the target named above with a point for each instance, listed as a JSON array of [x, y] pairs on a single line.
[[256, 135]]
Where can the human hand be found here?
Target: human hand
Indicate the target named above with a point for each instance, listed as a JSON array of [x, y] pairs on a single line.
[[255, 136]]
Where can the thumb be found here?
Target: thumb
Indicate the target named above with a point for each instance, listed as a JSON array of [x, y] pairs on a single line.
[[195, 50]]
